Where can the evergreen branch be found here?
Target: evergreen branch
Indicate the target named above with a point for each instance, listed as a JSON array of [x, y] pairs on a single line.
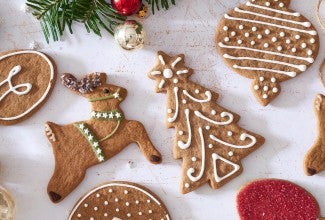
[[157, 4]]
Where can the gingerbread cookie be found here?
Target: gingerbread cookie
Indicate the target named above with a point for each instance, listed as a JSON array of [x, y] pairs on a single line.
[[83, 144], [266, 41], [26, 80], [274, 199], [315, 158], [208, 138], [119, 200]]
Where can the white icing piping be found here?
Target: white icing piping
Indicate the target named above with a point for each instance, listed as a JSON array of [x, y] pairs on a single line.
[[107, 185], [243, 137], [305, 24], [191, 170], [179, 72], [311, 32], [223, 114], [162, 61], [15, 71], [300, 67], [186, 145], [167, 217], [308, 59], [207, 93], [161, 84], [291, 74], [217, 178], [176, 61], [176, 106], [153, 73], [296, 14], [50, 133], [47, 89]]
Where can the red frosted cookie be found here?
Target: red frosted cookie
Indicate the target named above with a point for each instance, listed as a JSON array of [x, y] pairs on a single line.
[[277, 200]]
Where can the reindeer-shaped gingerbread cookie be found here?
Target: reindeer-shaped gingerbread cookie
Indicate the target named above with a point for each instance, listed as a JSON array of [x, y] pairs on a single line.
[[208, 138], [83, 144], [315, 158], [266, 41]]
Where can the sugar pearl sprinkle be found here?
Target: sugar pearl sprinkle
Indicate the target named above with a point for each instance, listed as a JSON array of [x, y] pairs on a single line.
[[274, 39], [294, 50], [169, 111], [254, 28], [282, 34], [273, 80], [97, 195], [187, 185], [312, 40], [259, 36], [261, 78], [230, 153], [256, 87], [310, 52], [229, 133], [126, 192], [297, 37], [275, 90], [303, 45], [281, 5], [239, 41], [265, 96], [226, 39], [279, 48], [246, 34], [194, 159], [213, 112], [233, 33], [210, 146], [252, 42], [266, 45], [267, 4], [265, 88], [241, 27], [225, 28], [267, 31]]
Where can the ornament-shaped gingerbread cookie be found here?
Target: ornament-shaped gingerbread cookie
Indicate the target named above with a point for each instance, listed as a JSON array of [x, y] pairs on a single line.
[[315, 158], [266, 41], [208, 137]]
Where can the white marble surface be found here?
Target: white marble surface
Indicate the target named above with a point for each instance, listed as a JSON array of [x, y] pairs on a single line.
[[288, 124]]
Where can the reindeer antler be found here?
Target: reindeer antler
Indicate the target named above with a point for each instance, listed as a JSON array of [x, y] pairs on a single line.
[[87, 84]]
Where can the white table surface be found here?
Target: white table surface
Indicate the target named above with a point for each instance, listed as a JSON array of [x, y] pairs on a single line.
[[288, 124]]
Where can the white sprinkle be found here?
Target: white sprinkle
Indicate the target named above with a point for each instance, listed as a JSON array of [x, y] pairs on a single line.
[[79, 215], [96, 208], [288, 41], [126, 192], [265, 88], [312, 40], [226, 39], [230, 153], [261, 78], [210, 146], [259, 36], [180, 133], [106, 203], [127, 203], [194, 159], [116, 200], [279, 48], [246, 34], [184, 101], [281, 5], [213, 112], [105, 214], [241, 27], [86, 205], [274, 39], [187, 185], [225, 28], [297, 37], [267, 31], [239, 41], [273, 79], [207, 127], [140, 213], [303, 45], [294, 50], [117, 210], [97, 195], [256, 87], [275, 90], [148, 201], [252, 42], [150, 211], [175, 81], [91, 218], [310, 52], [233, 33], [128, 215], [266, 45], [110, 190], [267, 3], [137, 201], [264, 96], [169, 110], [197, 91], [229, 133], [254, 28]]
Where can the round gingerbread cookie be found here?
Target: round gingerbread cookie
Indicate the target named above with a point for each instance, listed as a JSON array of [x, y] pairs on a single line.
[[117, 201], [275, 199], [266, 41], [26, 80]]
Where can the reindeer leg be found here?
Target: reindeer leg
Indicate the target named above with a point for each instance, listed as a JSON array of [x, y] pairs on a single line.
[[138, 134]]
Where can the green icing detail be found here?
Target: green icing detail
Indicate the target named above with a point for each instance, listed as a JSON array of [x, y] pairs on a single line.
[[94, 143], [107, 115]]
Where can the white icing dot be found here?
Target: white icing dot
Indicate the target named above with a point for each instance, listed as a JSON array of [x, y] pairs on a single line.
[[264, 96], [197, 91], [181, 133], [91, 218], [267, 3], [86, 205], [175, 80], [213, 112], [281, 5], [288, 41], [116, 199], [106, 203], [275, 90], [105, 214], [137, 201], [233, 33], [207, 127], [254, 28], [252, 42], [148, 201], [110, 190], [97, 195], [267, 31], [246, 34], [282, 34], [241, 27], [273, 79], [297, 36], [210, 146], [128, 215], [194, 159], [229, 133], [225, 28], [230, 153], [294, 50], [261, 78], [303, 45], [169, 111], [259, 36], [150, 211], [279, 48], [226, 39], [274, 39], [140, 213], [265, 88], [256, 87], [266, 45], [187, 185], [239, 41], [79, 215], [127, 203], [312, 40], [117, 210], [96, 208], [184, 101], [310, 52]]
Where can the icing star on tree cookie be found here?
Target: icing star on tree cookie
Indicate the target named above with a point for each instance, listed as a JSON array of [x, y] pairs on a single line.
[[266, 41], [208, 138]]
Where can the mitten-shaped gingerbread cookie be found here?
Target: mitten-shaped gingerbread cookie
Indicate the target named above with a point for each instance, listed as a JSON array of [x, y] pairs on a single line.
[[315, 158], [266, 41], [208, 138]]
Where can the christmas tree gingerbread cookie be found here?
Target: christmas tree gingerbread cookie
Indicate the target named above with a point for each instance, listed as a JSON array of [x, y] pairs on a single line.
[[266, 41], [275, 199], [80, 145], [315, 158], [208, 138]]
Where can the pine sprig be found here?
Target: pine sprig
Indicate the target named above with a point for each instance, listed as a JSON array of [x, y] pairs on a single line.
[[57, 15]]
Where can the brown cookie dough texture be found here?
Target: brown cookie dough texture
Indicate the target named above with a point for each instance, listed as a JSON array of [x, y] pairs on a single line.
[[80, 145], [119, 200], [315, 158], [266, 41], [207, 138], [26, 80]]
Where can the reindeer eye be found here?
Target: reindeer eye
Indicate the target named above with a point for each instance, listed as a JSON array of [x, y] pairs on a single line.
[[106, 91]]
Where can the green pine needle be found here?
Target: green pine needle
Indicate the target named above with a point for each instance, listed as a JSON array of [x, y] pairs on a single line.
[[56, 15]]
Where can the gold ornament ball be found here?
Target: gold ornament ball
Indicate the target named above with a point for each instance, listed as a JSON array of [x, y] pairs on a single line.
[[7, 205], [130, 35]]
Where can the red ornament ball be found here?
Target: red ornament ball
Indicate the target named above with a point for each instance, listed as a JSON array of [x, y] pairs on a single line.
[[126, 7]]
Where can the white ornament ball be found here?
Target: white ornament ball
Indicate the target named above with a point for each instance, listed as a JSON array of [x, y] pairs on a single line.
[[130, 35]]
